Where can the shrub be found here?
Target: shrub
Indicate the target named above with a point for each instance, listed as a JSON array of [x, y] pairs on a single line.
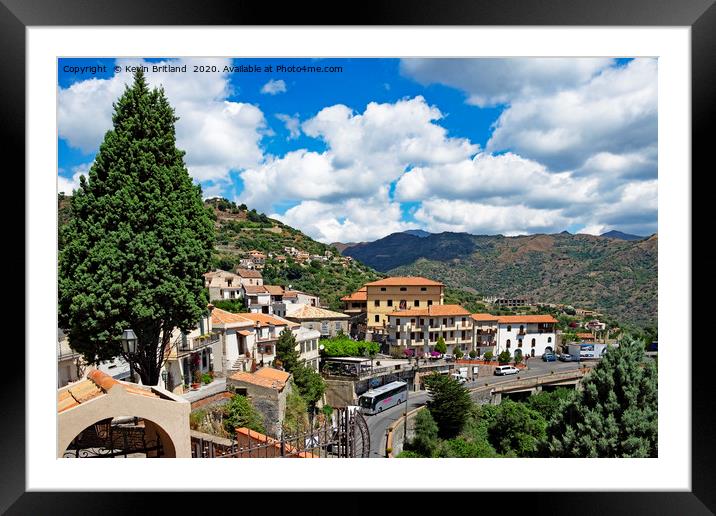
[[473, 354], [449, 404], [239, 412], [206, 378], [488, 355], [503, 357], [426, 434]]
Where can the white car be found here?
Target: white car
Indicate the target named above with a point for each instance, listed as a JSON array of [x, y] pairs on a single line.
[[506, 369]]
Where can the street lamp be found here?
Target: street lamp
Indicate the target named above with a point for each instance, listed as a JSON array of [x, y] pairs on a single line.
[[129, 346], [165, 374]]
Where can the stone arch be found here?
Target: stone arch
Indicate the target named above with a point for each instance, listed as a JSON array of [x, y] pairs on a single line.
[[167, 413]]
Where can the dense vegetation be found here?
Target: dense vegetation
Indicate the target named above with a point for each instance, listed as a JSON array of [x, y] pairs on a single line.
[[615, 276], [614, 415], [343, 346]]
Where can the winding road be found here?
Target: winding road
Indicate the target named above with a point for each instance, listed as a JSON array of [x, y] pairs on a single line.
[[378, 423]]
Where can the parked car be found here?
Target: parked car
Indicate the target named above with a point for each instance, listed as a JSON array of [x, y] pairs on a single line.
[[458, 377], [506, 369], [549, 357], [448, 357], [566, 357]]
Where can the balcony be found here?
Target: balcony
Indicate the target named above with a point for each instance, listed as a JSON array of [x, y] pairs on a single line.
[[197, 343]]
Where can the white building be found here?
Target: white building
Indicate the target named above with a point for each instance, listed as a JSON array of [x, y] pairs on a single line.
[[531, 335]]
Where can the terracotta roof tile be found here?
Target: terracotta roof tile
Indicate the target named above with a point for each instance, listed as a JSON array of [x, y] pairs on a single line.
[[404, 281], [359, 295], [265, 379], [431, 311], [314, 312], [248, 273], [484, 317], [513, 319], [219, 316], [274, 290]]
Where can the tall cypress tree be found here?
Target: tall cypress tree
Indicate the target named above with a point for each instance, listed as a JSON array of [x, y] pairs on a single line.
[[616, 412], [286, 350], [139, 239]]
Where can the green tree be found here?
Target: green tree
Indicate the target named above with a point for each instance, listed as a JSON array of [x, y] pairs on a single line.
[[615, 414], [138, 241], [440, 346], [458, 352], [239, 412], [425, 441], [296, 416], [488, 355], [504, 357], [550, 404], [449, 404], [473, 353], [286, 350], [310, 384], [236, 306], [517, 429]]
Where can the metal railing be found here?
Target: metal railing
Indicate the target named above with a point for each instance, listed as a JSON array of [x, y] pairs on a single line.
[[344, 435]]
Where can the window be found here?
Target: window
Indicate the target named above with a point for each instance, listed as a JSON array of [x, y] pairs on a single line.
[[377, 318], [412, 335], [397, 322], [430, 302], [423, 289], [549, 339], [403, 289], [376, 302], [390, 302], [420, 335], [382, 289], [508, 343], [509, 328], [533, 342], [422, 322], [338, 326], [416, 302], [519, 343], [397, 335], [412, 321]]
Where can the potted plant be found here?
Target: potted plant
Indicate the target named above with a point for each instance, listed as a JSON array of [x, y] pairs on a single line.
[[207, 378], [197, 379]]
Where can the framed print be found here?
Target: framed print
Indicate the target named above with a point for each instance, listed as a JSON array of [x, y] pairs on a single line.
[[315, 240]]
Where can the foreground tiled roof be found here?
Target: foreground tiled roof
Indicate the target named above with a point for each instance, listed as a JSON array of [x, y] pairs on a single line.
[[314, 312], [265, 377], [255, 289], [431, 311], [404, 281], [359, 295], [513, 319], [261, 439], [95, 385], [219, 316]]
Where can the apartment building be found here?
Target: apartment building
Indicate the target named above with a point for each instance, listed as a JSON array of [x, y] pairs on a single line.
[[356, 302], [420, 329], [531, 335], [388, 295], [485, 333]]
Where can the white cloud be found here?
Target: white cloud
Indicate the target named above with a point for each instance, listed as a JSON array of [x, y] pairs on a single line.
[[218, 135], [274, 87], [492, 81], [501, 180], [440, 215], [615, 113], [68, 185], [292, 123], [351, 220], [366, 152]]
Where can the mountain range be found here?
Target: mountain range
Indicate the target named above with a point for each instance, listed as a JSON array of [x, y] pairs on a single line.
[[613, 273]]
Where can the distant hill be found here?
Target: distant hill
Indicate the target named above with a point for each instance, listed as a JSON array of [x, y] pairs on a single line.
[[417, 232], [618, 277], [621, 236]]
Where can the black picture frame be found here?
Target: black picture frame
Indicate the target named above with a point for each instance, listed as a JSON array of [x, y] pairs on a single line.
[[700, 15]]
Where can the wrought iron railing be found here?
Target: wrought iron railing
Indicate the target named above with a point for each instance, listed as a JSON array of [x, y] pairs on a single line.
[[344, 435]]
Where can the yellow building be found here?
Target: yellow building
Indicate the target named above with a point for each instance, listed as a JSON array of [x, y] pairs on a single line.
[[399, 293], [420, 329]]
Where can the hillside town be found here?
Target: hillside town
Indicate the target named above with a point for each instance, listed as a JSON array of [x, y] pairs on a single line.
[[231, 352]]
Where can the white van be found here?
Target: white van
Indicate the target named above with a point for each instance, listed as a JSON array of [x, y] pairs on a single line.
[[506, 369], [457, 376]]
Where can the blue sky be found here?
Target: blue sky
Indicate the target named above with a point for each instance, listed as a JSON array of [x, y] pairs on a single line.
[[509, 146]]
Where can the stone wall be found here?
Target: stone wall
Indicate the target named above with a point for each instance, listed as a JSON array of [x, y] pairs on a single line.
[[340, 393]]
